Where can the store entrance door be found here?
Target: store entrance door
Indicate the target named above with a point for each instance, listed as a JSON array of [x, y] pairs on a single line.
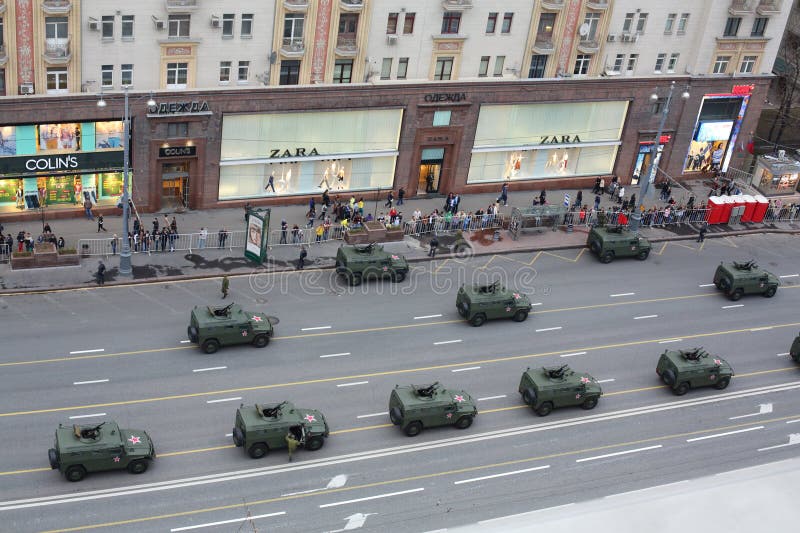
[[430, 169], [175, 186]]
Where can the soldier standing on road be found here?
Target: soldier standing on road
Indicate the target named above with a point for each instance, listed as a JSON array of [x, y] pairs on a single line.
[[434, 246], [226, 283], [291, 444], [101, 274], [702, 236], [302, 261]]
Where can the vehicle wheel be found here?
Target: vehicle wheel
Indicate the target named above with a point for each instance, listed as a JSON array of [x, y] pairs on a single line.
[[260, 341], [354, 279], [464, 422], [478, 320], [736, 295], [461, 312], [413, 428], [643, 255], [520, 316], [395, 416], [681, 389], [529, 396], [607, 257], [589, 403], [770, 292], [544, 409], [722, 384], [258, 450], [52, 455], [397, 277], [315, 443], [238, 437], [210, 346], [723, 284], [668, 377], [594, 247], [75, 473], [139, 466]]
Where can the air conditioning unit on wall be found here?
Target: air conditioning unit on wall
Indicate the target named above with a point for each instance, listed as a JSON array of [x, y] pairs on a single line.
[[157, 22], [612, 37], [26, 88], [215, 21], [94, 24], [391, 39]]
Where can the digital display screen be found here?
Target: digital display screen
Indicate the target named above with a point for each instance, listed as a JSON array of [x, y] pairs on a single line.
[[714, 131]]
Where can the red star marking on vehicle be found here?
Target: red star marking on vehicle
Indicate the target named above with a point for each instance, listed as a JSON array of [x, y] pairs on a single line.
[[310, 418], [244, 333], [257, 318], [134, 439], [458, 398], [585, 380], [116, 459], [449, 415], [517, 296], [395, 257], [717, 362], [508, 309]]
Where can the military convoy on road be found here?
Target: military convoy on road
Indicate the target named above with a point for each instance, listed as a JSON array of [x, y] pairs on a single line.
[[261, 428], [682, 370], [547, 388], [608, 243], [371, 261], [479, 303], [212, 327], [739, 278], [414, 407]]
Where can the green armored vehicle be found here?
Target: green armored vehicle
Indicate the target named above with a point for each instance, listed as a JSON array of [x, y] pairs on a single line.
[[82, 449], [684, 369], [611, 242], [212, 327], [260, 428], [794, 351], [737, 279], [414, 407], [479, 303], [356, 263], [558, 386]]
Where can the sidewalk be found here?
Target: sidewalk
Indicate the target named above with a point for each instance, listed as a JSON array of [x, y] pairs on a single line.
[[161, 266]]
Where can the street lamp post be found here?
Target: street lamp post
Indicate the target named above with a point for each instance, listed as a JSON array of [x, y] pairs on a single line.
[[636, 216]]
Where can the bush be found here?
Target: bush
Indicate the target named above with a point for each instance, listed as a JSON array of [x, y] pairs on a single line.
[[22, 254], [65, 251], [359, 229]]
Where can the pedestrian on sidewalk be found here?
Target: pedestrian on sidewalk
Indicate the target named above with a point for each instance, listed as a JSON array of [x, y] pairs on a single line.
[[400, 195], [246, 210], [434, 246], [173, 226], [578, 200], [702, 235], [303, 254], [291, 444], [543, 197], [222, 236], [621, 194], [87, 206], [503, 194], [602, 185], [597, 202], [203, 237], [284, 228], [389, 200], [155, 226], [101, 273], [114, 244], [596, 188], [226, 284], [100, 223]]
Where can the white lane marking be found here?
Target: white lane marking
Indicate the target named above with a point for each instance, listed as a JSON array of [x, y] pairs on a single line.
[[763, 409], [446, 342], [794, 438], [229, 434], [765, 328], [233, 521], [352, 384], [367, 498], [492, 397], [315, 328], [783, 354], [334, 355], [186, 341], [572, 354], [644, 316], [706, 285], [621, 294], [372, 414], [86, 416], [535, 304], [793, 421], [90, 382], [472, 480], [628, 493], [529, 513], [224, 400], [426, 316], [309, 491], [465, 369], [618, 453], [209, 368], [725, 434], [670, 340], [609, 380], [548, 329], [732, 306], [87, 351], [790, 276]]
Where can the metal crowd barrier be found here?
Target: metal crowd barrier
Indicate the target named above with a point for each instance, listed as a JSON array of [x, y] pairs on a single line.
[[306, 235], [5, 253], [440, 225], [180, 242]]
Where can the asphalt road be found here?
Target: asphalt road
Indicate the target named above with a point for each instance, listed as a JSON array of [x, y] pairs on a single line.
[[87, 355]]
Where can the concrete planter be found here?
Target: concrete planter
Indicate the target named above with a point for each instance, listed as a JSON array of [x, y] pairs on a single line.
[[19, 262], [69, 259], [395, 234], [356, 237]]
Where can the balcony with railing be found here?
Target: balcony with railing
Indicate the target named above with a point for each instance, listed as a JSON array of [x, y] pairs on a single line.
[[56, 7], [543, 45], [293, 47], [588, 46], [768, 7], [2, 6], [456, 5], [552, 5], [181, 6], [57, 51], [351, 6], [346, 46], [296, 6], [740, 7], [597, 5]]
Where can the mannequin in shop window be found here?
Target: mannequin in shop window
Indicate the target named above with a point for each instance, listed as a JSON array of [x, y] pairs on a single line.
[[340, 179], [20, 198], [325, 181]]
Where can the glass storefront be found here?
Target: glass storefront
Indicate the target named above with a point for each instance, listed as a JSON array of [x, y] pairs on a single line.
[[282, 154], [776, 175], [540, 141], [8, 190]]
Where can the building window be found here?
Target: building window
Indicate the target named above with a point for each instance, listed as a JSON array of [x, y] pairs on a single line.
[[127, 27], [348, 23], [290, 72], [483, 69], [227, 25], [179, 26], [673, 62], [591, 20], [57, 80], [2, 33], [343, 71], [538, 64], [244, 71], [618, 62], [628, 24], [293, 30], [441, 118], [491, 23], [732, 26], [107, 24], [544, 33], [247, 26], [683, 22], [56, 28], [126, 74], [498, 65], [632, 60], [177, 129], [391, 24], [641, 23], [402, 68], [386, 68], [451, 21], [721, 64], [670, 23], [444, 68], [658, 105], [408, 23], [660, 59], [759, 26], [582, 64], [507, 18], [177, 74], [224, 71], [748, 64], [107, 75]]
